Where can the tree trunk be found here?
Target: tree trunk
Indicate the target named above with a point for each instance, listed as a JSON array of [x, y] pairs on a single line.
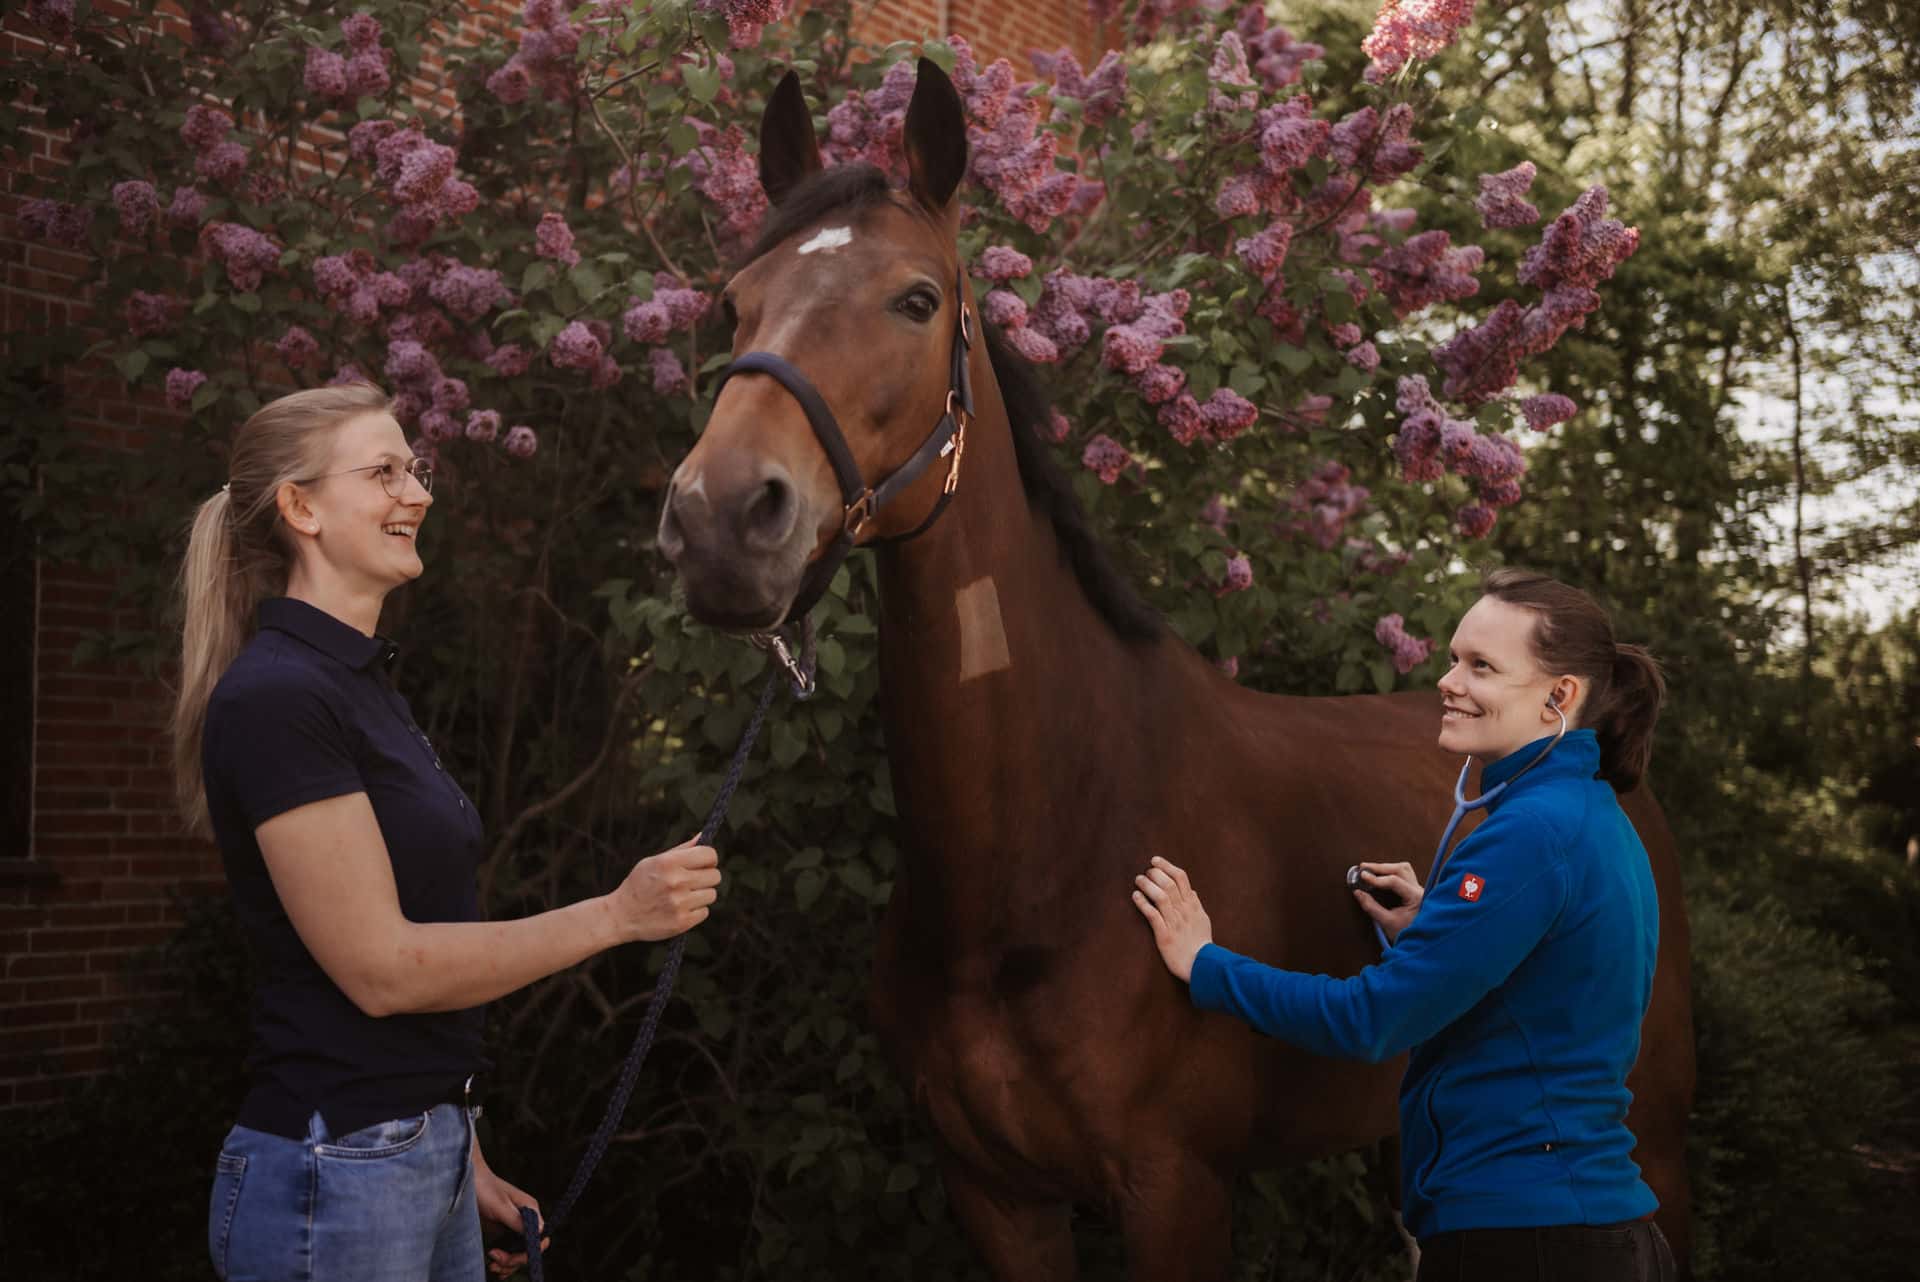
[[1800, 564]]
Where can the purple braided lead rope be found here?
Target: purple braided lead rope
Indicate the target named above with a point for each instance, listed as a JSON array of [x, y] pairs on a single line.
[[530, 1225]]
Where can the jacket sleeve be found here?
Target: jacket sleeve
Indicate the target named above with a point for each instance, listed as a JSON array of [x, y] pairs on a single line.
[[1499, 895]]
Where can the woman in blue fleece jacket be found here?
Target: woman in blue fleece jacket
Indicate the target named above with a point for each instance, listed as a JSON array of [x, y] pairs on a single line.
[[1520, 983]]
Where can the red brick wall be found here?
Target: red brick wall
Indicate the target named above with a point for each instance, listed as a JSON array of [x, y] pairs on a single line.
[[995, 28], [106, 863], [104, 859]]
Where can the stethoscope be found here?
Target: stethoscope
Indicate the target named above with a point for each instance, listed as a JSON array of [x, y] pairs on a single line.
[[1462, 805]]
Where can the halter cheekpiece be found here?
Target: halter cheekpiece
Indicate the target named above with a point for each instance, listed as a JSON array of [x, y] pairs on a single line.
[[859, 502]]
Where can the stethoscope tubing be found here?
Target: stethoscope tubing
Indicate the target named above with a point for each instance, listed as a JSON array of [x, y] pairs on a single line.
[[1462, 805]]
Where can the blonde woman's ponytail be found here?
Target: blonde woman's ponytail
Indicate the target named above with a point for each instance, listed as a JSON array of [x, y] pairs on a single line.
[[214, 612]]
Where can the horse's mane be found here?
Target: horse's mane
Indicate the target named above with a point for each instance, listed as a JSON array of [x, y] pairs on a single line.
[[1049, 489], [856, 187]]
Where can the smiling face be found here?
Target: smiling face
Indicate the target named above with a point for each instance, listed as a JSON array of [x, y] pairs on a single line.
[[347, 530], [1495, 694]]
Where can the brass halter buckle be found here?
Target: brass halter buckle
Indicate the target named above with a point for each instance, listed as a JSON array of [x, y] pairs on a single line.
[[958, 448], [859, 512], [957, 443]]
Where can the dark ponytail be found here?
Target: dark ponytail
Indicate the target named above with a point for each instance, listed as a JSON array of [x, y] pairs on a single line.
[[1624, 716], [1625, 685]]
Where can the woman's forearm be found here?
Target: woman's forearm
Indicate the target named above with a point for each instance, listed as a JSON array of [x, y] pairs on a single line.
[[439, 966]]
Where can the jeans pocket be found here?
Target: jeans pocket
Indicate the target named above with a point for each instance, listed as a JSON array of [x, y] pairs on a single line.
[[228, 1172], [382, 1139]]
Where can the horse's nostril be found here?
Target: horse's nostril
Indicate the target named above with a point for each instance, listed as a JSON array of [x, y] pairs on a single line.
[[768, 518], [673, 539]]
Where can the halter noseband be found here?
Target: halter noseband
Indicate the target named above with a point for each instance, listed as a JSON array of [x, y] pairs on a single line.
[[859, 502]]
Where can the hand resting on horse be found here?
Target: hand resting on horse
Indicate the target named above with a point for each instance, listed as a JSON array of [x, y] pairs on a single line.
[[1181, 927]]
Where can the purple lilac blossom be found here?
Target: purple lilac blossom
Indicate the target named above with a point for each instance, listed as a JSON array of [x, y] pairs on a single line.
[[1105, 458], [521, 442], [1503, 202], [181, 385], [137, 204], [1408, 652], [297, 347]]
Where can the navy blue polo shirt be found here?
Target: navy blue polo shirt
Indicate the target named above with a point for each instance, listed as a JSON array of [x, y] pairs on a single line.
[[306, 712]]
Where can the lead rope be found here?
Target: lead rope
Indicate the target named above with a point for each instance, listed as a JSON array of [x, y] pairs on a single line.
[[800, 674]]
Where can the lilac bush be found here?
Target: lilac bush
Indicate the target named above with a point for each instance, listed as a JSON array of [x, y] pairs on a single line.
[[1242, 274]]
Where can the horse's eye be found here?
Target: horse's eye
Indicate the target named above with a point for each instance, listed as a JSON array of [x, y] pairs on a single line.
[[921, 305]]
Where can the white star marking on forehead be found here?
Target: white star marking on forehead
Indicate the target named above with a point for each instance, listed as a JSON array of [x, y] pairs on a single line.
[[829, 238]]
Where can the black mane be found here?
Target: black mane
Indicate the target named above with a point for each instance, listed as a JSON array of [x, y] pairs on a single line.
[[854, 188], [1049, 489]]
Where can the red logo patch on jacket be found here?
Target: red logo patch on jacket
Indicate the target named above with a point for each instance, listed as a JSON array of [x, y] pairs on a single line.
[[1471, 886]]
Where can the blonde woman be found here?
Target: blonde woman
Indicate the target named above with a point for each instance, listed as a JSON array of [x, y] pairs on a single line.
[[351, 854]]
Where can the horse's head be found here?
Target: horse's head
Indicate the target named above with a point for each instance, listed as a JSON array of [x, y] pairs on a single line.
[[853, 285]]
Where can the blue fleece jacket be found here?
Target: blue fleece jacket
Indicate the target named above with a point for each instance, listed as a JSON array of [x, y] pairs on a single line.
[[1519, 987]]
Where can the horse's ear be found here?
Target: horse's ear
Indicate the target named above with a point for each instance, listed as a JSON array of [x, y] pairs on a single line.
[[936, 139], [789, 151]]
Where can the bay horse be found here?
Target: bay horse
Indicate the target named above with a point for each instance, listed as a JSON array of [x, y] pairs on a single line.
[[1046, 736]]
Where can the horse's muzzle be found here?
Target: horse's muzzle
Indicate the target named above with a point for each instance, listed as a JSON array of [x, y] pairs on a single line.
[[739, 549]]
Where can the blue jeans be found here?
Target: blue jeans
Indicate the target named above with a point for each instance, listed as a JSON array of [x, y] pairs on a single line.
[[392, 1202]]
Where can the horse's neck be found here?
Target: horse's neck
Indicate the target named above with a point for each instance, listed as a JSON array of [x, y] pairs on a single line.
[[1000, 685]]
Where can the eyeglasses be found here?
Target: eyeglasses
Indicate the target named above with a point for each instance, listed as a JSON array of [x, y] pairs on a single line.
[[392, 475]]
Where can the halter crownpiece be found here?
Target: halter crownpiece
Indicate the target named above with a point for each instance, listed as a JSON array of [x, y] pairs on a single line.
[[859, 502]]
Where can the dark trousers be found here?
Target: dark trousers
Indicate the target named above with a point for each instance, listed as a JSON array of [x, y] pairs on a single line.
[[1632, 1252]]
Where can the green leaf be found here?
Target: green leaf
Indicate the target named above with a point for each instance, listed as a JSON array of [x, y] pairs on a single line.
[[1247, 380], [537, 276], [1295, 359], [902, 1178], [857, 879], [132, 365], [1381, 669], [587, 279], [682, 137], [787, 744], [703, 83], [715, 1020], [1203, 380], [940, 53], [807, 887], [248, 304], [833, 657]]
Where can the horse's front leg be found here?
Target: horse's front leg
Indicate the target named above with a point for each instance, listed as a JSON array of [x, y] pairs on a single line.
[[1020, 1240], [1176, 1213]]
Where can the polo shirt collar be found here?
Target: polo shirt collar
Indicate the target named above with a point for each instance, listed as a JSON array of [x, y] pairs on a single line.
[[340, 641]]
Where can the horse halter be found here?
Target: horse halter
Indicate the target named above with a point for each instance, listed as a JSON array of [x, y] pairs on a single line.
[[859, 501]]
